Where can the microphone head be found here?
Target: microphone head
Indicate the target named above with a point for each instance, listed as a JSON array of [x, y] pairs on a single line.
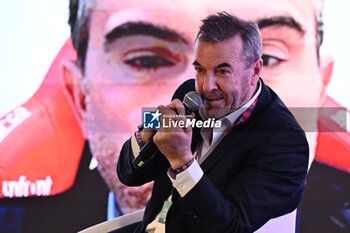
[[192, 101]]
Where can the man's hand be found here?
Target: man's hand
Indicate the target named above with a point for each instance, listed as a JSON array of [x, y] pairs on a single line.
[[174, 142], [147, 134]]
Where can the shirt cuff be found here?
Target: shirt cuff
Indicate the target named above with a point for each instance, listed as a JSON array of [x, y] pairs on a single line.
[[135, 148], [187, 179]]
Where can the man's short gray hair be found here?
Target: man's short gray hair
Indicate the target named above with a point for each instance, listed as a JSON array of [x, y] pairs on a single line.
[[222, 26]]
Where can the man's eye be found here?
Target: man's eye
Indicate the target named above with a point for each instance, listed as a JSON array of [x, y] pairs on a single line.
[[198, 69], [222, 72], [149, 62], [270, 60]]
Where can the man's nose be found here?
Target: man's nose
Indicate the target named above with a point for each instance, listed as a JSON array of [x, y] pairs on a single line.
[[210, 83]]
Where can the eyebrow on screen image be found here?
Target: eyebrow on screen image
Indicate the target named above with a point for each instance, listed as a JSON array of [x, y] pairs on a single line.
[[285, 21], [142, 28]]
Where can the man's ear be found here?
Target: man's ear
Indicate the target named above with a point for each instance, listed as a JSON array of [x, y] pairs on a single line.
[[257, 71], [73, 80], [326, 71]]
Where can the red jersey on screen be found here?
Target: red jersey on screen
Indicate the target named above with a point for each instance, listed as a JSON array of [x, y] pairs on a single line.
[[41, 141]]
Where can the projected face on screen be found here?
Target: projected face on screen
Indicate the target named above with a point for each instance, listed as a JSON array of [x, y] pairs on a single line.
[[139, 52]]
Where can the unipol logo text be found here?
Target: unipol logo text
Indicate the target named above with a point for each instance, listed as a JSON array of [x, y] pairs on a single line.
[[24, 188]]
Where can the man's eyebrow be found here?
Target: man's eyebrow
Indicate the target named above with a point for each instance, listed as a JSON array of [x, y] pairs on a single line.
[[223, 65], [280, 21], [141, 28], [196, 63]]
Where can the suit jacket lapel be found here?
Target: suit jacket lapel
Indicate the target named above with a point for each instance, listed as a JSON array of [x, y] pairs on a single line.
[[225, 147]]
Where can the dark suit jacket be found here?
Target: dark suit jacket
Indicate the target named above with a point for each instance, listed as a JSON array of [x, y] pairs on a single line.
[[257, 172]]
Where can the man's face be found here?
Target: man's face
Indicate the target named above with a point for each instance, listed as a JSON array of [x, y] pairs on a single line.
[[140, 51], [222, 77]]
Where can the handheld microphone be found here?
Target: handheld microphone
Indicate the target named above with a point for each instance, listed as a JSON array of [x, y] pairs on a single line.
[[192, 102]]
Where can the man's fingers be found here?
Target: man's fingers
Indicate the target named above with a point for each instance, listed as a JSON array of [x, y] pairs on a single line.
[[166, 110], [177, 105], [173, 116]]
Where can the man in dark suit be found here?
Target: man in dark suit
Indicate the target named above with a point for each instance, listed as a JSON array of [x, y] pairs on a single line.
[[228, 179]]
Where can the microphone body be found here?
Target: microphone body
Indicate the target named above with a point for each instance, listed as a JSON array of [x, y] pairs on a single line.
[[192, 102]]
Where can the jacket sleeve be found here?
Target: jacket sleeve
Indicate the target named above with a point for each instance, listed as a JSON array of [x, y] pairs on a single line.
[[156, 166], [270, 184]]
